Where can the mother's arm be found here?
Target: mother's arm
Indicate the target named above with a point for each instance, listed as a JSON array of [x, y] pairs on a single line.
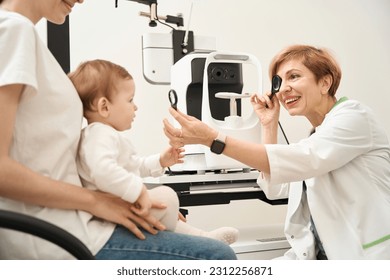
[[20, 183]]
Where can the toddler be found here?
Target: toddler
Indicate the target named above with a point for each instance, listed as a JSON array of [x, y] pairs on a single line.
[[107, 160]]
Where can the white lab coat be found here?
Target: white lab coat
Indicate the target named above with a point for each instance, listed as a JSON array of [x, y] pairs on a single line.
[[346, 167]]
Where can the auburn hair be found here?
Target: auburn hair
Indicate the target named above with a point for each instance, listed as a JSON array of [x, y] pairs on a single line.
[[319, 61]]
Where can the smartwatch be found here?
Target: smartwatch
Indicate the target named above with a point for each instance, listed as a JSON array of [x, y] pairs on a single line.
[[218, 144]]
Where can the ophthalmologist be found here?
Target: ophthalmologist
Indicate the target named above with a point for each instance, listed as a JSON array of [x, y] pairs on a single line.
[[337, 180]]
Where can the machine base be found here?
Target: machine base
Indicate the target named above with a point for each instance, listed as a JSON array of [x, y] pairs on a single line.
[[261, 243]]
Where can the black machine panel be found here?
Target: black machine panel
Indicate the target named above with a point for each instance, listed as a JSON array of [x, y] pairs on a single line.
[[222, 77]]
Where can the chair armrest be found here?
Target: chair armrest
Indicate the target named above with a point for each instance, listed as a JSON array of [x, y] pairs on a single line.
[[47, 231]]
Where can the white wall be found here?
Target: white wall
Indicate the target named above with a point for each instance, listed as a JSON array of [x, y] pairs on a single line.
[[358, 31]]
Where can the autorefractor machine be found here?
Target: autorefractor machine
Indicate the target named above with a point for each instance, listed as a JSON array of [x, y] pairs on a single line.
[[214, 87]]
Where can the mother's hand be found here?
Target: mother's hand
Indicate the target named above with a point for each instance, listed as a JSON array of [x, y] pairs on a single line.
[[114, 209]]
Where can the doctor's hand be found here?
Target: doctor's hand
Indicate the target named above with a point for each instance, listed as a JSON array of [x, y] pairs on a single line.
[[265, 108], [193, 131]]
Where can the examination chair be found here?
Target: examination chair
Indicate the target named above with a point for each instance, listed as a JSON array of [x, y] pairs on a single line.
[[45, 230]]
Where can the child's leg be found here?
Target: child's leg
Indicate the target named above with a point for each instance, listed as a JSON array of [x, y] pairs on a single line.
[[169, 217]]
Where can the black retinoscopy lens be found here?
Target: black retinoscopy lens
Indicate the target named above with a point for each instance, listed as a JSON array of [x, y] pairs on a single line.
[[276, 83], [172, 95]]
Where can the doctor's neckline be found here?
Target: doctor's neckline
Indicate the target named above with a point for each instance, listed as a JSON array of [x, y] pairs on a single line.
[[341, 100]]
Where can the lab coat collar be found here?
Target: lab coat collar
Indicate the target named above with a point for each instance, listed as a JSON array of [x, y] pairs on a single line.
[[341, 100]]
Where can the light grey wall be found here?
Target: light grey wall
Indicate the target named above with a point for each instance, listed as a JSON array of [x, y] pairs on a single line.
[[358, 32]]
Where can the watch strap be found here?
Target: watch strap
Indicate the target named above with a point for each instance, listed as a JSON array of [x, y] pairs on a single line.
[[218, 144]]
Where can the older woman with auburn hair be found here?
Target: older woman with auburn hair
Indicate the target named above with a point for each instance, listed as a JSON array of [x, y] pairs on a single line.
[[337, 180]]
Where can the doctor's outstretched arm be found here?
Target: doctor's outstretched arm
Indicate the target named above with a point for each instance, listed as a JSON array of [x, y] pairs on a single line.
[[194, 131]]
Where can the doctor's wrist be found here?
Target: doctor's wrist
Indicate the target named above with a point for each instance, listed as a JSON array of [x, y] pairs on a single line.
[[269, 134], [211, 136]]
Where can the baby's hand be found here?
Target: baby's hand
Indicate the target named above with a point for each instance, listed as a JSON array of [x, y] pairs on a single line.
[[171, 156]]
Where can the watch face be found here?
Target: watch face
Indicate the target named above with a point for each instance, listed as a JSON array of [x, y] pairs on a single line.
[[217, 146]]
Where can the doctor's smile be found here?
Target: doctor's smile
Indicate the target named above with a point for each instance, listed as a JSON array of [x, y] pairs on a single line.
[[290, 100]]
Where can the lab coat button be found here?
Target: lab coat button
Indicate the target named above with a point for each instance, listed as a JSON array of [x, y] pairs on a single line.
[[304, 254], [292, 236]]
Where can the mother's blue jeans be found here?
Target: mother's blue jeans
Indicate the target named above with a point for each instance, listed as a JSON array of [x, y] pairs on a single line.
[[165, 245]]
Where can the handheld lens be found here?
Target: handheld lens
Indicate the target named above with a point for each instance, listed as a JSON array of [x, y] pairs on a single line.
[[276, 84], [172, 95]]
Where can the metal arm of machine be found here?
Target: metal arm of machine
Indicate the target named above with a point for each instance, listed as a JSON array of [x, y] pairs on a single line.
[[153, 14], [178, 20], [153, 9]]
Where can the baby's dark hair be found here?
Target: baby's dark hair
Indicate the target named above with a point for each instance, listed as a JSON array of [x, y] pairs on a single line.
[[97, 78]]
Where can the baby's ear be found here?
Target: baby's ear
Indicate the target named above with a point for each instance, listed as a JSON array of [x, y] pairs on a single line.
[[103, 107]]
